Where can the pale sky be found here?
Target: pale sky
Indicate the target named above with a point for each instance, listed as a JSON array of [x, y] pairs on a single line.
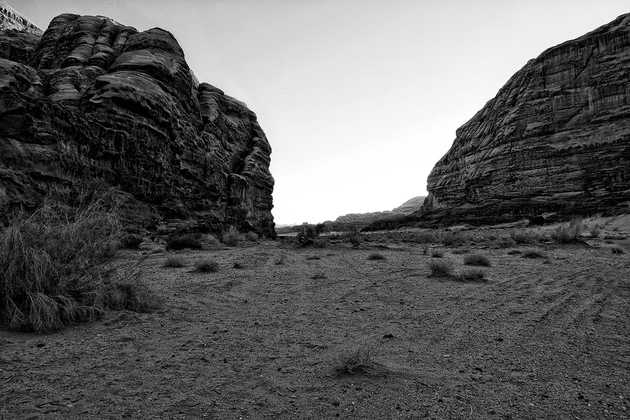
[[358, 98]]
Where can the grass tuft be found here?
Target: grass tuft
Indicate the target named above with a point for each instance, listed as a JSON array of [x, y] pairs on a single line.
[[452, 239], [232, 237], [186, 241], [252, 236], [525, 236], [617, 250], [353, 236], [320, 243], [569, 233], [471, 275], [533, 253], [52, 266], [375, 257], [212, 241], [441, 268], [596, 231], [174, 261], [476, 259], [131, 241], [206, 266], [125, 291], [357, 362]]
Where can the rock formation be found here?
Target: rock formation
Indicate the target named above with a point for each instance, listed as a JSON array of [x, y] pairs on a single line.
[[12, 19], [93, 100], [555, 139], [412, 205]]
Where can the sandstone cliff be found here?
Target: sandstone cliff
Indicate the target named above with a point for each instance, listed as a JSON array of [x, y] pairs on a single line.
[[556, 138], [95, 100]]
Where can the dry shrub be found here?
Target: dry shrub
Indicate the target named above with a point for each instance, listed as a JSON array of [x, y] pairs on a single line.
[[252, 236], [238, 266], [320, 243], [232, 237], [51, 265], [211, 241], [569, 233], [131, 241], [533, 253], [308, 233], [617, 250], [206, 266], [357, 361], [426, 237], [174, 261], [525, 236], [504, 242], [452, 238], [375, 257], [184, 241], [476, 259], [353, 237], [437, 254], [282, 259], [125, 291], [596, 231], [471, 275], [442, 268]]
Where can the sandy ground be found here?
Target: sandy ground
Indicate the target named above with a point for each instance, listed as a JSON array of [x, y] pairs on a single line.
[[541, 339]]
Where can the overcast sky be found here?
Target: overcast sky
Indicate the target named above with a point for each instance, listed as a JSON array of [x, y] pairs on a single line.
[[359, 98]]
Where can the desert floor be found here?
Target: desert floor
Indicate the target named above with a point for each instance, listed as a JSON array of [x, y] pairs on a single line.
[[542, 338]]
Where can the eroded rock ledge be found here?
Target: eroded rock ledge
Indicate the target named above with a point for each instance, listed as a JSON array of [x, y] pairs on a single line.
[[95, 100], [556, 138]]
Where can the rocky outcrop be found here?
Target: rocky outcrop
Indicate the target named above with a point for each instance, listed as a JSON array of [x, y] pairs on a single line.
[[93, 100], [377, 220], [12, 19], [556, 138], [408, 207]]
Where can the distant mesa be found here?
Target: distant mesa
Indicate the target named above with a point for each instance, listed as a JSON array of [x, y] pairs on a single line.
[[363, 220], [94, 101], [412, 205], [554, 140]]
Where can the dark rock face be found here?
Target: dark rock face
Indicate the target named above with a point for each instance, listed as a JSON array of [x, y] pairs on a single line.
[[95, 100], [556, 138]]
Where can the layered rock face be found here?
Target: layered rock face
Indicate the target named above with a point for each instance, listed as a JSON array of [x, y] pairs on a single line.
[[93, 100], [556, 138]]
